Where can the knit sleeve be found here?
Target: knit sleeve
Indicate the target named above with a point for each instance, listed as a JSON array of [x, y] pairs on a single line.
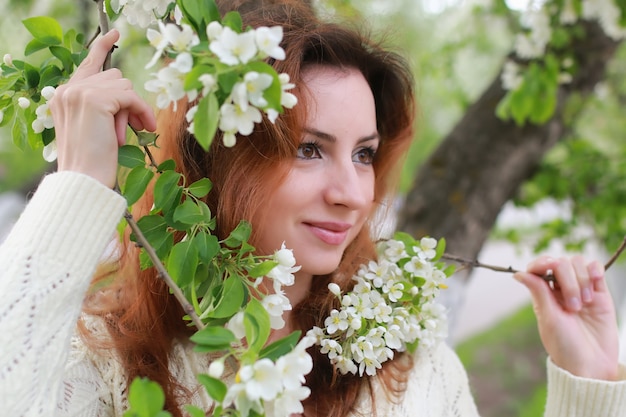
[[572, 396], [437, 387], [46, 264]]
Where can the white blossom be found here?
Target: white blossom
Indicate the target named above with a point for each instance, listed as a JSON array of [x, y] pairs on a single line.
[[191, 113], [169, 83], [216, 368], [214, 30], [511, 77], [209, 83], [141, 13], [334, 288], [376, 318], [261, 380], [1, 115], [8, 60], [23, 102], [234, 119], [44, 119], [50, 151], [268, 41], [607, 14], [233, 48], [533, 44], [48, 92], [275, 305], [288, 403], [235, 325]]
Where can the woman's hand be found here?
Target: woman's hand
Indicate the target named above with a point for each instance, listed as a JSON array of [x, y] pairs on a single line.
[[576, 316], [91, 113]]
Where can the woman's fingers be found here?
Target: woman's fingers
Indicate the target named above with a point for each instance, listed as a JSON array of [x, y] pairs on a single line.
[[92, 64], [576, 279], [596, 276], [584, 282]]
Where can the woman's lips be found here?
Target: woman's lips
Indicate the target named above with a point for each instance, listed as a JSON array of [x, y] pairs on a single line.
[[330, 233]]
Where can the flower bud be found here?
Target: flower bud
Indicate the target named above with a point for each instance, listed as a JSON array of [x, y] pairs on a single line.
[[284, 257], [48, 92], [1, 115], [8, 60], [216, 368], [23, 102], [214, 30], [334, 288]]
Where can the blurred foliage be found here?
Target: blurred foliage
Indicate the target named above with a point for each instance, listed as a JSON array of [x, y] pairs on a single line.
[[506, 367], [456, 49]]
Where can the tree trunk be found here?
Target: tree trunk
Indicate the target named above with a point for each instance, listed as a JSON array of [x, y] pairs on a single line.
[[480, 165]]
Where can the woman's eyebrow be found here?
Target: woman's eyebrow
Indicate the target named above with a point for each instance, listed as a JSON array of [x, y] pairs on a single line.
[[331, 138]]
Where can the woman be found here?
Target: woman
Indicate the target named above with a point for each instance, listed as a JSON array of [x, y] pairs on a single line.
[[313, 180]]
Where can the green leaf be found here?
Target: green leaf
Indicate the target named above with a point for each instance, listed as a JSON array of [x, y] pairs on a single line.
[[214, 337], [280, 347], [136, 183], [45, 29], [109, 11], [48, 136], [167, 191], [199, 13], [32, 75], [233, 20], [154, 229], [261, 269], [227, 80], [130, 156], [239, 235], [208, 246], [19, 131], [232, 298], [192, 81], [34, 46], [51, 75], [65, 56], [8, 81], [441, 248], [182, 263], [256, 321], [201, 187], [146, 399], [188, 213], [193, 410], [205, 121], [146, 138], [216, 388], [167, 165]]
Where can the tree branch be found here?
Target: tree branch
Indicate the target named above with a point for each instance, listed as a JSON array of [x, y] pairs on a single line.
[[549, 277]]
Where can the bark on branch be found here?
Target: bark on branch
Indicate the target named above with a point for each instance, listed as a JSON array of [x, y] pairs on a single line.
[[479, 166]]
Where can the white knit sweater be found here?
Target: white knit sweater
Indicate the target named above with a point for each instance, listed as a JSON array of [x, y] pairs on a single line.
[[45, 267]]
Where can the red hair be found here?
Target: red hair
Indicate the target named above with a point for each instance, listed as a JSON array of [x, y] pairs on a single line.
[[146, 319]]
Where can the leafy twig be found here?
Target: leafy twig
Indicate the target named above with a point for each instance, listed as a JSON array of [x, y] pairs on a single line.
[[162, 272], [141, 239], [549, 277]]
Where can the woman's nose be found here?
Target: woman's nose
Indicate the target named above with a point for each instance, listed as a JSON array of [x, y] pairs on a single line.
[[347, 185]]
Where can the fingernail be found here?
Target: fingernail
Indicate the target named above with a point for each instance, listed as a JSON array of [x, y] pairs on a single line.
[[586, 293], [574, 304]]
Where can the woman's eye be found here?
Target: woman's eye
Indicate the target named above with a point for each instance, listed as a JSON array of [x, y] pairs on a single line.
[[365, 156], [309, 151]]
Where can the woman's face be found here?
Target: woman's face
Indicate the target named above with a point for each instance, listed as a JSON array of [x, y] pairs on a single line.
[[329, 191]]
